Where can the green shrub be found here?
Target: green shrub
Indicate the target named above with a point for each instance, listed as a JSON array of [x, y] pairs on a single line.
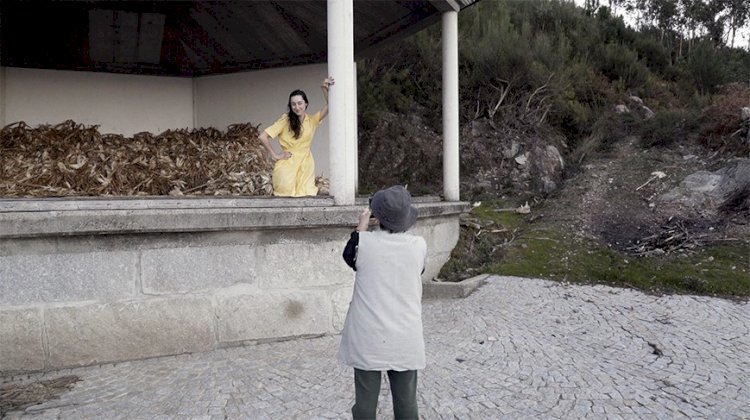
[[705, 68], [609, 129], [736, 63], [613, 128], [668, 127], [653, 53], [612, 28], [721, 122], [619, 63], [578, 100]]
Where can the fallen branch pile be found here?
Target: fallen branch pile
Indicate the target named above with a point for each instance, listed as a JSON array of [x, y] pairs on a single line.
[[673, 237], [71, 159]]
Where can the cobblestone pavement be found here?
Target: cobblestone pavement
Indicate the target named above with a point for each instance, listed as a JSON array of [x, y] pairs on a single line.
[[516, 348]]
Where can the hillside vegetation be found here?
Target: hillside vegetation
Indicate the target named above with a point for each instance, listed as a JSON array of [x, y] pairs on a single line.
[[570, 110]]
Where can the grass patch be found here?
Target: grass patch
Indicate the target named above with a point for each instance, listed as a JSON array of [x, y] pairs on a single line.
[[482, 236], [499, 215], [528, 249]]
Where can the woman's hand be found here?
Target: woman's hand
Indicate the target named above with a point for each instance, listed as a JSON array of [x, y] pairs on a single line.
[[283, 156], [327, 83]]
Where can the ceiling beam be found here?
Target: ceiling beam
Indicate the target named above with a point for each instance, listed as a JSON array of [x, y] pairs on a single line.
[[446, 5]]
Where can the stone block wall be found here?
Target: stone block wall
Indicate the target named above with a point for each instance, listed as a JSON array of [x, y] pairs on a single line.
[[77, 300]]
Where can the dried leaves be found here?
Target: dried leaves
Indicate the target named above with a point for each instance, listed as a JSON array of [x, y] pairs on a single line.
[[19, 396], [71, 159], [323, 184]]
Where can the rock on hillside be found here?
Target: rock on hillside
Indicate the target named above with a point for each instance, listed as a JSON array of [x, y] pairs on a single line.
[[712, 193], [507, 160]]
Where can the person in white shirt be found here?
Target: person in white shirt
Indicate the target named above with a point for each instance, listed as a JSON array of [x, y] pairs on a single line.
[[383, 327]]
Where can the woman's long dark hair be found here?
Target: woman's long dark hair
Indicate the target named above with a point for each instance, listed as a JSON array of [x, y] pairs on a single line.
[[294, 121]]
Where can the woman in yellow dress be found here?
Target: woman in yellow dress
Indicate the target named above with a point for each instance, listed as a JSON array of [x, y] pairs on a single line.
[[294, 170]]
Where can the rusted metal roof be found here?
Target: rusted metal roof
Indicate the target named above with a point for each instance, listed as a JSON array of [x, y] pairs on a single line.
[[194, 38]]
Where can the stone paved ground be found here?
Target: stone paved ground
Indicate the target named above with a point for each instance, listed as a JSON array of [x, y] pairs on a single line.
[[516, 348]]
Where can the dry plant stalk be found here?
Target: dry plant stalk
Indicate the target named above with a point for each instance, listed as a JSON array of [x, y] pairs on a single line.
[[674, 237], [70, 159]]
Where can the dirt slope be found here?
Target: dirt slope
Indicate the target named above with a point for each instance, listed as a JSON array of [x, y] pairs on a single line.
[[614, 198]]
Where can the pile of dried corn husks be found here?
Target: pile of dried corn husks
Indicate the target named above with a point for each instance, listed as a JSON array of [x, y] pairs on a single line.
[[71, 159]]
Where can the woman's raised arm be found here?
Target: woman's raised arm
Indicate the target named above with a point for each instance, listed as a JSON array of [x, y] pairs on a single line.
[[327, 83]]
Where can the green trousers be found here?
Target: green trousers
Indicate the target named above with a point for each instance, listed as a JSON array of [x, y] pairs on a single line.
[[367, 390]]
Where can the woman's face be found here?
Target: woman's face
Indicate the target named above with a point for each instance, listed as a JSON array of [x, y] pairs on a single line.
[[298, 104]]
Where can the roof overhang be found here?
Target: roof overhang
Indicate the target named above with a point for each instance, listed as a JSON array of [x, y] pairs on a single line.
[[195, 38]]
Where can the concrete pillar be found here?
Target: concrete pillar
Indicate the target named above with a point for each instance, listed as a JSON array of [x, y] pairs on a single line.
[[450, 106], [342, 100]]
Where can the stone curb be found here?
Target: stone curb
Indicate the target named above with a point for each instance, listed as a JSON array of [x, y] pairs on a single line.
[[452, 290]]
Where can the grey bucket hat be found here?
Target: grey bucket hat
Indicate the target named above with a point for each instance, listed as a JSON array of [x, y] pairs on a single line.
[[393, 209]]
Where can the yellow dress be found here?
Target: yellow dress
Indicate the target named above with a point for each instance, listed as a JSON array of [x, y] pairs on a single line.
[[294, 177]]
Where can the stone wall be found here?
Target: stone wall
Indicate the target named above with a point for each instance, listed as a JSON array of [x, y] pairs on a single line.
[[78, 290]]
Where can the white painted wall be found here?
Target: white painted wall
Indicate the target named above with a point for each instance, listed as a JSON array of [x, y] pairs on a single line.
[[260, 97], [127, 104], [122, 104]]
